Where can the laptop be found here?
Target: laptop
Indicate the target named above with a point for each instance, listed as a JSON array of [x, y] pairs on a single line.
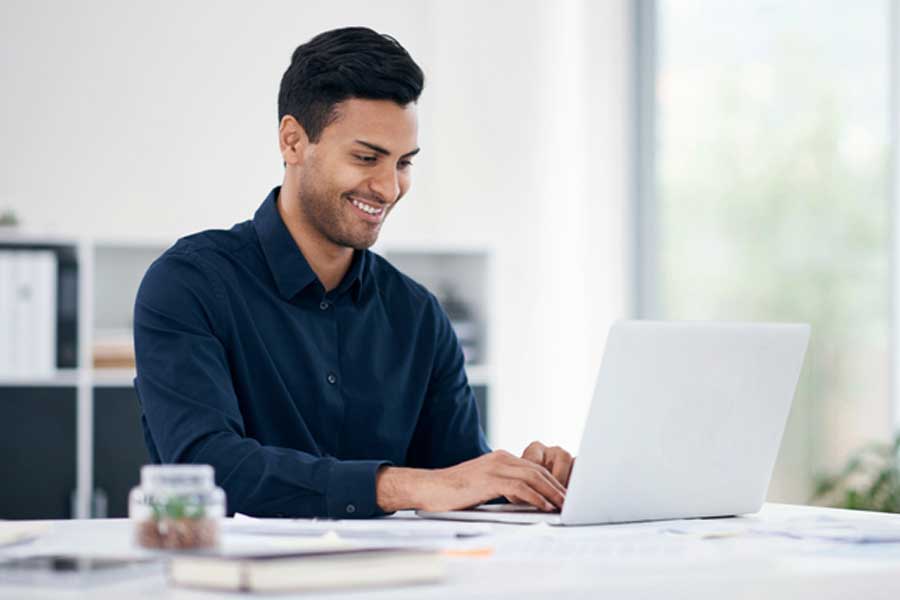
[[685, 422]]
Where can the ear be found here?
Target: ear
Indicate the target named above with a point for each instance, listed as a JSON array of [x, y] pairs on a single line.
[[292, 140]]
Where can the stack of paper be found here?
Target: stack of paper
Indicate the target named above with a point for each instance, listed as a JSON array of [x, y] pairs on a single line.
[[381, 529]]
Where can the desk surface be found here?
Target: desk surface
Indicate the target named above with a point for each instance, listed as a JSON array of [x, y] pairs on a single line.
[[536, 561]]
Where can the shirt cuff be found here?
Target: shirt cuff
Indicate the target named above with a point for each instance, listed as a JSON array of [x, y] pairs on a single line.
[[351, 489]]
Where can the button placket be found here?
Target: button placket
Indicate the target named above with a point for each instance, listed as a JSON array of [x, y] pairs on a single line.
[[333, 384]]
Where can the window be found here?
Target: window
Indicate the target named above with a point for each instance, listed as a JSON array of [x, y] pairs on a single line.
[[769, 197]]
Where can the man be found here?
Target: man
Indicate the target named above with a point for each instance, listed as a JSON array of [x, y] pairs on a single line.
[[313, 376]]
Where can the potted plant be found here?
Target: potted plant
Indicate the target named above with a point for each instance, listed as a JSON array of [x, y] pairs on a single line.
[[869, 481]]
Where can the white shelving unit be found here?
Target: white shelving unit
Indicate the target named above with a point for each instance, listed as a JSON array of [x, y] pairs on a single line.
[[110, 271], [91, 308]]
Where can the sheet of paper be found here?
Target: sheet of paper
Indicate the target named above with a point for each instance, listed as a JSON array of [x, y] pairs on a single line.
[[826, 528], [863, 531], [19, 532], [254, 543], [411, 529]]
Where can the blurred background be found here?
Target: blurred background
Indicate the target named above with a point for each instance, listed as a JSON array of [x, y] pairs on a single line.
[[581, 162]]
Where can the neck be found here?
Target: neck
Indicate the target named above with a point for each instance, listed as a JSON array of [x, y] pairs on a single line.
[[328, 261]]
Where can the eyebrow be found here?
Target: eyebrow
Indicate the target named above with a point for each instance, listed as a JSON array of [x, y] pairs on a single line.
[[383, 151]]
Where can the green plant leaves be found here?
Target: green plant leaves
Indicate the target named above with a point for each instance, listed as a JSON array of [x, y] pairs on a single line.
[[869, 481], [178, 507]]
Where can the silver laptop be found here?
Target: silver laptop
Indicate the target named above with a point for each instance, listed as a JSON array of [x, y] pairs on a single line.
[[686, 421]]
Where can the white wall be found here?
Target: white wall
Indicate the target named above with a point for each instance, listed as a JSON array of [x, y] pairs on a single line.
[[529, 143], [155, 119]]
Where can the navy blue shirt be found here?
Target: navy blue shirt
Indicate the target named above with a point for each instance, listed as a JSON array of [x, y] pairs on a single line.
[[295, 396]]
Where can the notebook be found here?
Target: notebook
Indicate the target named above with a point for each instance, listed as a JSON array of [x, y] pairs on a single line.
[[307, 571]]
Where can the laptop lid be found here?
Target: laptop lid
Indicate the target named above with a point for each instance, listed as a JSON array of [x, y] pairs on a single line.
[[686, 420]]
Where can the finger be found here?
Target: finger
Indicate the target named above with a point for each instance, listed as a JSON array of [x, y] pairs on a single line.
[[513, 499], [559, 468], [559, 462], [519, 492], [546, 474], [569, 472], [520, 468], [540, 480], [535, 452], [524, 463]]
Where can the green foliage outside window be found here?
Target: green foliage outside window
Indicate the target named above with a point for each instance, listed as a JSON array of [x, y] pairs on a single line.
[[869, 481]]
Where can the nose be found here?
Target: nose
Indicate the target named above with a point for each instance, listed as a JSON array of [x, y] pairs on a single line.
[[386, 183]]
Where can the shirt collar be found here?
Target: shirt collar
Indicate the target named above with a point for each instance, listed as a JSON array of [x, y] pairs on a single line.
[[353, 278], [289, 267]]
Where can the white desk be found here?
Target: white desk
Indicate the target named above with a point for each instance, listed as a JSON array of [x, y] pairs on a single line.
[[620, 561]]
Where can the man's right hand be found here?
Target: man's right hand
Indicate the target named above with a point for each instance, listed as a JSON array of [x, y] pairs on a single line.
[[468, 484]]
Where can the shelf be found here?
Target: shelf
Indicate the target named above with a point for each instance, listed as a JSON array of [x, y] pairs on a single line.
[[433, 250], [61, 378], [16, 236], [478, 374], [113, 377], [69, 378], [155, 244]]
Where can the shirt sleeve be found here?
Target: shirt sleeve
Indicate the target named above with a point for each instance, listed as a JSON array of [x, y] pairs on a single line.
[[192, 414], [448, 431]]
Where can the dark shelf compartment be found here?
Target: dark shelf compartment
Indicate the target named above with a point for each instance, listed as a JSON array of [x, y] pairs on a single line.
[[39, 451], [119, 451]]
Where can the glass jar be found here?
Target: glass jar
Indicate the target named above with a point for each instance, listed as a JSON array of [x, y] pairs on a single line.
[[176, 507]]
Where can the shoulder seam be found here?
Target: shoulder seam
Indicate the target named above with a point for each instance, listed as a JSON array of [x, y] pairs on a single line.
[[211, 275]]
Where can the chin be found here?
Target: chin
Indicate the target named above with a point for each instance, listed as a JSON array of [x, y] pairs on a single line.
[[355, 243], [364, 244], [346, 237]]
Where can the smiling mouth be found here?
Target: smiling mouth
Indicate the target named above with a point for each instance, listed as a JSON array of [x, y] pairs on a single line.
[[370, 212]]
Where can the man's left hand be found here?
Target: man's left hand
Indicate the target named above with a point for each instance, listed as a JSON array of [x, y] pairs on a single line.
[[554, 459]]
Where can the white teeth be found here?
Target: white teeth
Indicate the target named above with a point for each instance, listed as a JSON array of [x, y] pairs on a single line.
[[365, 207]]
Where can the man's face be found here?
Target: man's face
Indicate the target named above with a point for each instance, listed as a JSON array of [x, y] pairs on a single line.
[[358, 170]]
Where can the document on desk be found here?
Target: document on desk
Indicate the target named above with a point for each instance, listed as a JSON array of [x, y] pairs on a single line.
[[17, 532], [632, 545], [820, 527], [382, 528]]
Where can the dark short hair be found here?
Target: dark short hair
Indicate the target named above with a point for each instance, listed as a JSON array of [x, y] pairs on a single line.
[[353, 62]]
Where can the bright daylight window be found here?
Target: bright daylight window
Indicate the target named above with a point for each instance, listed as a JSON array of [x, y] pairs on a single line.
[[771, 198]]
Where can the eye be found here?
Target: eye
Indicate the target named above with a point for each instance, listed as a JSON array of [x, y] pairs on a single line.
[[366, 158], [405, 164]]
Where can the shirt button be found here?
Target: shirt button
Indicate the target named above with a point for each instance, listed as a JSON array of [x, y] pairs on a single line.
[[324, 305], [351, 509], [332, 378]]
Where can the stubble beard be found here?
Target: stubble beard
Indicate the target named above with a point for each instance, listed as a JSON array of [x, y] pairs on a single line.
[[324, 210]]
